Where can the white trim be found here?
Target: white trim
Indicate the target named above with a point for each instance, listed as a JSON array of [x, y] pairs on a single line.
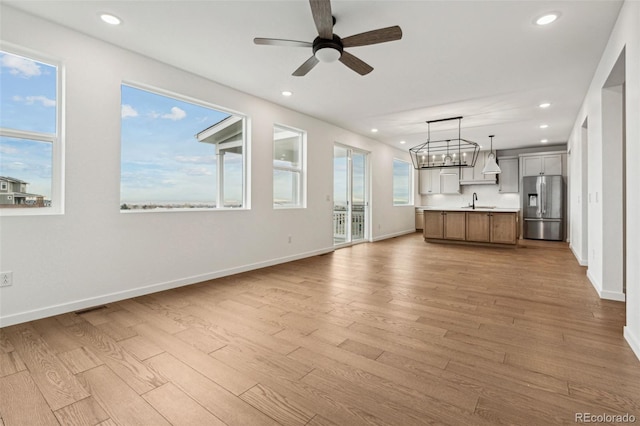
[[300, 170], [605, 294], [581, 262], [76, 305], [393, 235], [633, 340]]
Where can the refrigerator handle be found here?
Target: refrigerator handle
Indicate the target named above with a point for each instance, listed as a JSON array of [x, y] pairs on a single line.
[[543, 203], [539, 191]]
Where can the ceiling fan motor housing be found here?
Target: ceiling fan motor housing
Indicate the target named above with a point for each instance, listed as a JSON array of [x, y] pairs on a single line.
[[320, 44]]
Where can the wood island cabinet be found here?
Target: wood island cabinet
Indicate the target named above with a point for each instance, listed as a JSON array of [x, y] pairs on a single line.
[[433, 224], [473, 226], [479, 226], [504, 228], [454, 225]]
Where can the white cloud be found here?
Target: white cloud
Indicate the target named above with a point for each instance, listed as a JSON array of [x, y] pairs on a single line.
[[199, 171], [20, 66], [7, 150], [175, 114], [128, 111], [196, 159], [30, 100]]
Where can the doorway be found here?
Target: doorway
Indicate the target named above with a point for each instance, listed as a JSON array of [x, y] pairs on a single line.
[[614, 177], [350, 195]]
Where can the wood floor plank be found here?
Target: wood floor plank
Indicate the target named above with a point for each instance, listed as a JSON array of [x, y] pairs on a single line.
[[232, 380], [79, 360], [10, 363], [57, 384], [140, 347], [278, 407], [178, 408], [121, 362], [216, 399], [121, 402], [84, 412], [21, 403]]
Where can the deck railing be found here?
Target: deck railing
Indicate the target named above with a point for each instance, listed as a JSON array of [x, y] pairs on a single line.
[[340, 224]]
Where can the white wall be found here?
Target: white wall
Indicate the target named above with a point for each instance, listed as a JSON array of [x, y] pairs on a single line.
[[94, 254], [626, 35]]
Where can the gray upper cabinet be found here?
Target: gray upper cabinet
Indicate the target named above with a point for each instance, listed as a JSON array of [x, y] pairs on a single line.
[[509, 178], [547, 164]]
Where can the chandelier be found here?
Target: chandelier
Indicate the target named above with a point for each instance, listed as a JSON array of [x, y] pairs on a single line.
[[444, 154]]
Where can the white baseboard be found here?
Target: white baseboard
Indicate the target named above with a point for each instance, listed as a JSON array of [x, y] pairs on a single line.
[[581, 261], [395, 234], [633, 340], [141, 291], [605, 294]]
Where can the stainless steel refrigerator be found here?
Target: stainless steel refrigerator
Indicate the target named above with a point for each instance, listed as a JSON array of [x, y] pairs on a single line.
[[543, 207]]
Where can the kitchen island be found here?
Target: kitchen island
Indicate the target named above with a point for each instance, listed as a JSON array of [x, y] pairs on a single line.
[[482, 225]]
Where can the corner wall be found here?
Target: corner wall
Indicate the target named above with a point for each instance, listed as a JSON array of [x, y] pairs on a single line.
[[625, 35], [94, 254]]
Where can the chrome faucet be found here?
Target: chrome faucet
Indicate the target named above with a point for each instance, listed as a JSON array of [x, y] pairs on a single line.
[[474, 199]]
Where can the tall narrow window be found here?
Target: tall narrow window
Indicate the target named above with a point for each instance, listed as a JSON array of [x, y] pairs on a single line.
[[179, 154], [402, 188], [30, 151], [288, 167]]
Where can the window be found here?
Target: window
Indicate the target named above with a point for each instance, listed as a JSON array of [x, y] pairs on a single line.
[[30, 146], [402, 188], [288, 167], [179, 154]]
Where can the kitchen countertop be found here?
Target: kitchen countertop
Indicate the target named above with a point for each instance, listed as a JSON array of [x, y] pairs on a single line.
[[469, 209]]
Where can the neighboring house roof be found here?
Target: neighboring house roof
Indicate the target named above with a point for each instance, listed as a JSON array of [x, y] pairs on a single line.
[[222, 131], [10, 179]]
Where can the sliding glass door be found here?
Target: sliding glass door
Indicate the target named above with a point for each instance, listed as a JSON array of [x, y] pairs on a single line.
[[350, 195]]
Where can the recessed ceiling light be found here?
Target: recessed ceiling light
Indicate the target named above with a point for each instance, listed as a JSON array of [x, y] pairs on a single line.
[[544, 105], [544, 140], [403, 142], [544, 126], [547, 18], [374, 130], [110, 19], [286, 93]]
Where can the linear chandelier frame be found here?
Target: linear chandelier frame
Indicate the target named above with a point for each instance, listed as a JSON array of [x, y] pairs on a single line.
[[444, 153]]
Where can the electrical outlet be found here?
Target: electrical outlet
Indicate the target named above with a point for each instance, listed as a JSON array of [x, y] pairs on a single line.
[[6, 279], [289, 239]]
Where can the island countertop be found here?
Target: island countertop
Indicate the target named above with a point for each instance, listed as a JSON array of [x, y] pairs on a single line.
[[469, 209]]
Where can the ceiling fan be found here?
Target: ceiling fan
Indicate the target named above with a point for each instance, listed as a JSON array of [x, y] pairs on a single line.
[[329, 47]]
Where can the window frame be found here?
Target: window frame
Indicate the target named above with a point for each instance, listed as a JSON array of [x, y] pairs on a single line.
[[55, 139], [245, 144], [410, 201], [301, 170]]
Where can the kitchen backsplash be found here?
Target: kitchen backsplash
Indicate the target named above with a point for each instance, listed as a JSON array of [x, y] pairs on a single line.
[[488, 195]]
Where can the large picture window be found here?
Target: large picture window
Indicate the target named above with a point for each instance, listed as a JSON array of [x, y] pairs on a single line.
[[30, 147], [402, 188], [288, 167], [179, 154]]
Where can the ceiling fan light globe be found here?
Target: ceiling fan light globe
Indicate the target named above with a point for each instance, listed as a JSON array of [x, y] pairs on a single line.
[[328, 54]]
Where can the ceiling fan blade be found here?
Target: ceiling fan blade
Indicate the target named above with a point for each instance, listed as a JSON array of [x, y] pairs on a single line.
[[281, 42], [355, 64], [321, 11], [381, 35], [306, 67]]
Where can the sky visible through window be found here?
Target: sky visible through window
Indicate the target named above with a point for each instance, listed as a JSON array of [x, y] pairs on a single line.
[[162, 160], [28, 103]]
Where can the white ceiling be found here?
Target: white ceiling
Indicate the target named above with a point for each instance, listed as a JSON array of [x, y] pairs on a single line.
[[484, 60]]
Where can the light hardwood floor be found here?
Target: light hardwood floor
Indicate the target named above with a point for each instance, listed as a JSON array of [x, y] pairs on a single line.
[[397, 332]]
